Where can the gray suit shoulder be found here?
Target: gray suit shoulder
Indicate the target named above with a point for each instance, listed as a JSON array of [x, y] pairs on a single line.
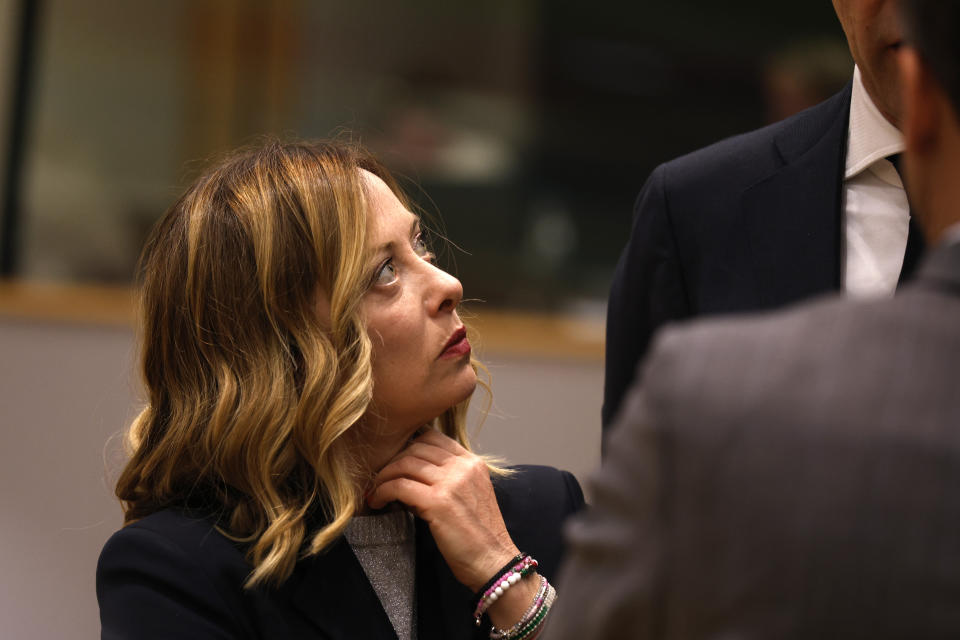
[[818, 362]]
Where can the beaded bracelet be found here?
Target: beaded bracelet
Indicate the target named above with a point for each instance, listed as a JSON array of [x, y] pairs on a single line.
[[506, 580], [531, 628], [528, 615], [535, 626], [499, 574]]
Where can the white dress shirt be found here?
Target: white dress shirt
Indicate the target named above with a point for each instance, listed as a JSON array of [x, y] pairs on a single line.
[[876, 214]]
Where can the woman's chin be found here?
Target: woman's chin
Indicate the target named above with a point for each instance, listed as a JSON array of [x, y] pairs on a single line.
[[469, 385], [461, 393]]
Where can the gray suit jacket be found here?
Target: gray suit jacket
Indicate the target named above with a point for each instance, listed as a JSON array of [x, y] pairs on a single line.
[[787, 475]]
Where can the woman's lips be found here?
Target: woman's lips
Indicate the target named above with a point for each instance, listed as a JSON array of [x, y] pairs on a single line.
[[457, 346]]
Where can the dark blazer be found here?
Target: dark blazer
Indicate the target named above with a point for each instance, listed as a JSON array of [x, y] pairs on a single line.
[[788, 475], [749, 223], [170, 575]]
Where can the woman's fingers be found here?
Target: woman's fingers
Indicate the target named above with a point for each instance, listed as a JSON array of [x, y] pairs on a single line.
[[411, 467], [410, 492], [437, 439], [420, 460], [428, 452], [450, 489]]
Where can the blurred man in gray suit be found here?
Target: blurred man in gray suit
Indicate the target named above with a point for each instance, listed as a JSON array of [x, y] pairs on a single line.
[[797, 474]]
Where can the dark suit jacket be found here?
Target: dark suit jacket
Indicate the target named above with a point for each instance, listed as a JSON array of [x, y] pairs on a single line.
[[173, 576], [788, 475], [753, 222]]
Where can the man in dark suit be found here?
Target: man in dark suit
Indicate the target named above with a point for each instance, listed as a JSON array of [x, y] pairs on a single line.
[[797, 474], [809, 205]]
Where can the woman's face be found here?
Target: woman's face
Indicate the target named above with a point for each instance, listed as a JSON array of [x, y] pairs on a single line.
[[421, 357]]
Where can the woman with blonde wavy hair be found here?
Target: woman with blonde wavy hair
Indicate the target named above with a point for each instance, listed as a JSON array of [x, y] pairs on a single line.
[[301, 468]]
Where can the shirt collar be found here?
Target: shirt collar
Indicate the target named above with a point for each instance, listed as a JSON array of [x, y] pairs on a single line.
[[871, 136]]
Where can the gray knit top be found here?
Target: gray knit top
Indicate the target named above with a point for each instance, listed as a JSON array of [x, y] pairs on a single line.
[[384, 545]]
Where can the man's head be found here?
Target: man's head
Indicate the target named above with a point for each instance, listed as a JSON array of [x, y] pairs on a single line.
[[930, 72], [873, 32]]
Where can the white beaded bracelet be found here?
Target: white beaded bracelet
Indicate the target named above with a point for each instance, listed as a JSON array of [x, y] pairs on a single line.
[[509, 578], [529, 614]]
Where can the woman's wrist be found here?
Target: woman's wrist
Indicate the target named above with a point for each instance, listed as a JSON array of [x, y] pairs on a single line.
[[516, 600], [533, 616], [493, 566], [514, 603], [497, 575], [531, 623]]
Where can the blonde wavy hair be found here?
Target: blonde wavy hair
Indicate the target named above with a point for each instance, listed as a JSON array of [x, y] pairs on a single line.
[[252, 399]]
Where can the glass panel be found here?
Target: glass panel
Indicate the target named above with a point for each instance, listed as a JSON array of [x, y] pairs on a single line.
[[528, 125]]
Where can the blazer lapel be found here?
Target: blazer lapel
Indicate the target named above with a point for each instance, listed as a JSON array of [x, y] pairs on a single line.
[[332, 591], [792, 218], [444, 606]]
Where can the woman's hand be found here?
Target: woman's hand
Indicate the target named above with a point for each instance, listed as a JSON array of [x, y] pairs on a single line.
[[449, 488]]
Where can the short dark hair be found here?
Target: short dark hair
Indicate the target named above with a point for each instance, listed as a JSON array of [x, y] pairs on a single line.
[[932, 27]]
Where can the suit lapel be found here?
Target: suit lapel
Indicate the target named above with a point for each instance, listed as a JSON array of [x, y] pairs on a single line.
[[792, 218], [444, 605], [332, 591]]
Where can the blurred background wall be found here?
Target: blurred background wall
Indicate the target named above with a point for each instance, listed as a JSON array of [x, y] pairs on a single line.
[[69, 387], [524, 127]]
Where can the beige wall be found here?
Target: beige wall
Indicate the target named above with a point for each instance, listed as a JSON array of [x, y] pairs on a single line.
[[63, 392], [66, 389]]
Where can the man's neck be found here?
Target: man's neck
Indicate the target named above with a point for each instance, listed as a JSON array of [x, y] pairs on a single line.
[[872, 137]]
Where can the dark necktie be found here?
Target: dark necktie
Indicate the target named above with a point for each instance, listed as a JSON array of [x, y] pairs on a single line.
[[915, 242]]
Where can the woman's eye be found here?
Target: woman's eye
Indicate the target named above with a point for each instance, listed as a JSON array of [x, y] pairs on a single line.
[[387, 274], [421, 248]]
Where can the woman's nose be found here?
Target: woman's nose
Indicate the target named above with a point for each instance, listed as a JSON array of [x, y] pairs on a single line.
[[446, 292]]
